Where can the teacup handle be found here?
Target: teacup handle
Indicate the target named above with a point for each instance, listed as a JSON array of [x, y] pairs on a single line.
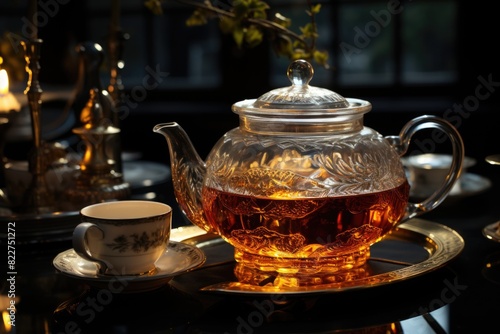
[[401, 144], [81, 248]]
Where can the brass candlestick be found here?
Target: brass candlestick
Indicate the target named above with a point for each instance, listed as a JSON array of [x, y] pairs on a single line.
[[37, 199]]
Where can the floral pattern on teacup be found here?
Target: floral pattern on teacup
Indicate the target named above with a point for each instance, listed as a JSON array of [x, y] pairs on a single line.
[[138, 243]]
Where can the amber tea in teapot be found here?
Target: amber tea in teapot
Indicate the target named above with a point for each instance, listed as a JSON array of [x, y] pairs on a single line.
[[302, 188], [291, 228]]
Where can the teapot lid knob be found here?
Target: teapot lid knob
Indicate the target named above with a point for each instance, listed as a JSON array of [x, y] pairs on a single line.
[[300, 95], [300, 72]]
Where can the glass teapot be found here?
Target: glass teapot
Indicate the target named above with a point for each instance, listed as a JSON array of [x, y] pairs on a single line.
[[302, 187]]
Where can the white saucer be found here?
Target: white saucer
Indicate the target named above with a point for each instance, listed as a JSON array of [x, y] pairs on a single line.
[[470, 185], [179, 258]]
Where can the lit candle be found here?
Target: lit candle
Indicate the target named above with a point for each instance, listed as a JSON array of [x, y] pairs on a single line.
[[4, 83], [8, 101]]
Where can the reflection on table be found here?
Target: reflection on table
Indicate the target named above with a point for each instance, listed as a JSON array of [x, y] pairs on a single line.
[[459, 297]]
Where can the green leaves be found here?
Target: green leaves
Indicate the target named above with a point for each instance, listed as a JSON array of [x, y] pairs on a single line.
[[314, 9], [244, 9], [154, 6], [309, 31], [253, 36], [247, 22], [198, 17], [244, 32], [303, 45], [321, 57], [235, 20]]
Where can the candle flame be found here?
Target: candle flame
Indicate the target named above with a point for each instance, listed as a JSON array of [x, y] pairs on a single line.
[[8, 101], [4, 82]]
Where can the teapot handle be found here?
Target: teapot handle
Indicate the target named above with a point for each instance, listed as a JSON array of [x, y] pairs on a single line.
[[401, 144]]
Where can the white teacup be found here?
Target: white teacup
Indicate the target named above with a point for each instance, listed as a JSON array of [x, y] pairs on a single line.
[[428, 171], [123, 237]]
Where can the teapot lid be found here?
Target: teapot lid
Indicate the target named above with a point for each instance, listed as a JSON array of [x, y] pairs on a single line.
[[301, 97]]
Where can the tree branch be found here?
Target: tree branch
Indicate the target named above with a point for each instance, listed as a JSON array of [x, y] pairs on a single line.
[[264, 23]]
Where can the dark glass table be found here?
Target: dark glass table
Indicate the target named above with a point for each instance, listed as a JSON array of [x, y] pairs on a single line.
[[461, 296]]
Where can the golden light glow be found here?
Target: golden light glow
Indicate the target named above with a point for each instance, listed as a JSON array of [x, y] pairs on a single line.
[[4, 82], [8, 101], [6, 321]]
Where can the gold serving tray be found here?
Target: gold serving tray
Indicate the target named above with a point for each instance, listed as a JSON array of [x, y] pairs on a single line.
[[414, 248]]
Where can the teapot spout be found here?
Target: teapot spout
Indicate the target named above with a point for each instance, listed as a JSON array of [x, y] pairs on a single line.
[[188, 171]]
